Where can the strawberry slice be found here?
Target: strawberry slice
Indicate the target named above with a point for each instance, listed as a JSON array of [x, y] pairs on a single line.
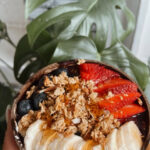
[[118, 101], [126, 88], [95, 72], [117, 86], [128, 111], [87, 67]]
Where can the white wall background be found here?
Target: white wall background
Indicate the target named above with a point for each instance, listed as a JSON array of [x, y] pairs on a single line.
[[141, 42], [134, 6], [12, 13]]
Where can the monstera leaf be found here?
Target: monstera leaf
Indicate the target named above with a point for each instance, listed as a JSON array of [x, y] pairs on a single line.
[[79, 29], [77, 47], [32, 5], [84, 17], [147, 89], [117, 55], [29, 60]]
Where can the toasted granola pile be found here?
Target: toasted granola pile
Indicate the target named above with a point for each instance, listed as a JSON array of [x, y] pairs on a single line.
[[71, 108]]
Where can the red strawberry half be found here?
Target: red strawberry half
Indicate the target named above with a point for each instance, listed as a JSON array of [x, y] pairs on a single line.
[[118, 101], [95, 72], [128, 111], [117, 86]]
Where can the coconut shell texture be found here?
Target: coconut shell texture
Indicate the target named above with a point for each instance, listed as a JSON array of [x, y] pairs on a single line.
[[36, 77]]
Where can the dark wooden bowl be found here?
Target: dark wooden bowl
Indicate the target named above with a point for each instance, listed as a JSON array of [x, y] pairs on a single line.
[[71, 63]]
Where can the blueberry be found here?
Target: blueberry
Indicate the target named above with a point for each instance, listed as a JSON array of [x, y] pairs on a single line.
[[24, 106], [78, 133], [73, 71], [41, 82], [37, 99], [59, 71]]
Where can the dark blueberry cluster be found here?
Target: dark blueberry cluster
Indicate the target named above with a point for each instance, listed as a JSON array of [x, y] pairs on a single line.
[[78, 133], [24, 106], [71, 71], [57, 72], [37, 99]]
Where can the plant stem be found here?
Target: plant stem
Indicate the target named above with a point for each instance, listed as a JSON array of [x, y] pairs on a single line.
[[4, 62], [8, 39], [7, 81]]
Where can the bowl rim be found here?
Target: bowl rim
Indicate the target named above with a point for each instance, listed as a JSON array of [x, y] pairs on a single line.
[[49, 68]]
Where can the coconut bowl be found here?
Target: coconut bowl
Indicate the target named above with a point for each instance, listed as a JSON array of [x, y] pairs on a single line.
[[143, 121]]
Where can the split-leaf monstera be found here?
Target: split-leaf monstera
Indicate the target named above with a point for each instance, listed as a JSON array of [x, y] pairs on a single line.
[[32, 5], [90, 29], [117, 55], [84, 16], [77, 47], [121, 57]]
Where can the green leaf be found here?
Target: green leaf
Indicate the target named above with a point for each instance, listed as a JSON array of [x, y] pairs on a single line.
[[147, 89], [120, 57], [32, 5], [82, 16], [5, 98], [57, 28], [2, 132], [29, 60], [23, 54], [77, 47], [3, 30]]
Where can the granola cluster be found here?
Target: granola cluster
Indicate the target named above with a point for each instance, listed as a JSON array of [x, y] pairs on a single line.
[[71, 108]]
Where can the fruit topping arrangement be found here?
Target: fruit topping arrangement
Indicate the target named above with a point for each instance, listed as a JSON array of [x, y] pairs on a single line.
[[97, 73], [124, 93]]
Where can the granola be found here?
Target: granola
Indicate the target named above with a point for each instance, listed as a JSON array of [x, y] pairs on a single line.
[[71, 107], [26, 121]]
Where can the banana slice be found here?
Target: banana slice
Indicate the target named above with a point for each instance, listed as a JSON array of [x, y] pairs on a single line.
[[48, 137], [121, 140], [97, 147], [68, 143], [129, 137], [37, 139], [79, 145], [111, 142], [53, 145], [33, 135]]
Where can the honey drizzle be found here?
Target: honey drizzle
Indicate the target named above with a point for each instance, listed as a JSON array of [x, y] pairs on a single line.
[[94, 108], [89, 145], [48, 135], [71, 148]]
